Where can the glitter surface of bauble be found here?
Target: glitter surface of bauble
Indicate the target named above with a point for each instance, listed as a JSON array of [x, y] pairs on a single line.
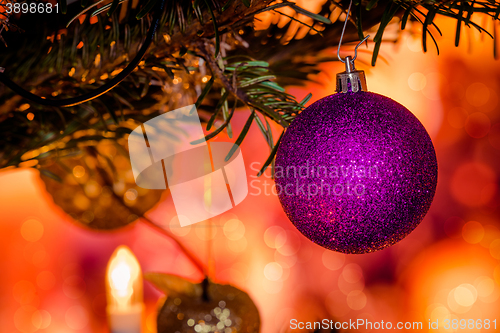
[[356, 172]]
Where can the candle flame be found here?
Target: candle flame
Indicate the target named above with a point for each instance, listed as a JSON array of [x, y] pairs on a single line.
[[124, 279]]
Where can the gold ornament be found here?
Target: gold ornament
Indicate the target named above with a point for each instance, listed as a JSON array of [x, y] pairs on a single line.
[[204, 307], [97, 188]]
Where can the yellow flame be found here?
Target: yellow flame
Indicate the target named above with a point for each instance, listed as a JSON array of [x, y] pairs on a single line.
[[124, 279]]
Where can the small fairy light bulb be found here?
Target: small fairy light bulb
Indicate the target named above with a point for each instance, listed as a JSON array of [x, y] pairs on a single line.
[[124, 292]]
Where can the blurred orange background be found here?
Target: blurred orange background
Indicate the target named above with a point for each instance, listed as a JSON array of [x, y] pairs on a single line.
[[53, 270]]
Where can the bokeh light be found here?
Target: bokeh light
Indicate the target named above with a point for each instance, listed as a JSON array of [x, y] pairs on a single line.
[[275, 237], [76, 317], [333, 260], [32, 230], [473, 232], [477, 125]]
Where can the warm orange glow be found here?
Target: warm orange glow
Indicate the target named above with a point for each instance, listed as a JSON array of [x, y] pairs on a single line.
[[448, 268], [123, 280]]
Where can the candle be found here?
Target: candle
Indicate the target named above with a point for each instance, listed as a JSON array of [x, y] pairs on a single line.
[[124, 292]]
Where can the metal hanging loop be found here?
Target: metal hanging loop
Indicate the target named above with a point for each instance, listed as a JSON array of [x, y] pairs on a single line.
[[342, 36]]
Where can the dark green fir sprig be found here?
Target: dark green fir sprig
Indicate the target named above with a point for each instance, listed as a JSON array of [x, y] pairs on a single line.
[[206, 52]]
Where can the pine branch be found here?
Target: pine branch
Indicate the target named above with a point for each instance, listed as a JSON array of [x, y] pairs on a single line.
[[238, 93], [87, 54]]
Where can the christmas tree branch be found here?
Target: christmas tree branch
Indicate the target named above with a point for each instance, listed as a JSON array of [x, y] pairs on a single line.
[[217, 72], [192, 258], [108, 182], [232, 87], [89, 54]]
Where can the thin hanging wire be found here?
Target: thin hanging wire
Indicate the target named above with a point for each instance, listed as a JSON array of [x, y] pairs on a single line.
[[342, 36]]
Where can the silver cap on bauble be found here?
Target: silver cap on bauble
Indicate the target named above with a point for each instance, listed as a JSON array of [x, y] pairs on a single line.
[[351, 80]]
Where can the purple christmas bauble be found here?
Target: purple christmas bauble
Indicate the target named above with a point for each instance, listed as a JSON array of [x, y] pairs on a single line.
[[356, 172]]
